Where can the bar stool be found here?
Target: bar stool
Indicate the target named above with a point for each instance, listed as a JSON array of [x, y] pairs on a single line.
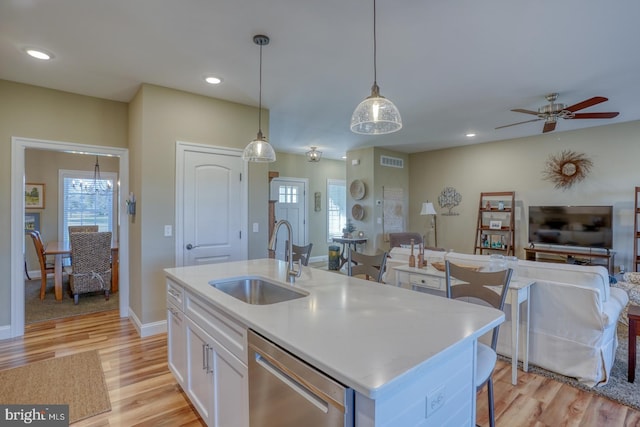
[[634, 321]]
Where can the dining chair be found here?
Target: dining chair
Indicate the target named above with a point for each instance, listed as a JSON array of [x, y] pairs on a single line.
[[46, 267], [490, 287], [82, 228], [91, 267], [301, 253], [79, 229], [371, 266]]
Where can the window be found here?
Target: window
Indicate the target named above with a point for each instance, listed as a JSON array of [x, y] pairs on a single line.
[[336, 208], [80, 204], [287, 194]]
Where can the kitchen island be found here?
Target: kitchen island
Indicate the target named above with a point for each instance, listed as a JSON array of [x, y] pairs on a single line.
[[409, 357]]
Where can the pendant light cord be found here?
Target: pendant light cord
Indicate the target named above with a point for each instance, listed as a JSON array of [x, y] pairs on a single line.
[[260, 95], [375, 77]]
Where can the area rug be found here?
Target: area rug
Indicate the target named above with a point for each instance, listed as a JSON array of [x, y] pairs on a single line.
[[617, 388], [76, 380], [37, 310]]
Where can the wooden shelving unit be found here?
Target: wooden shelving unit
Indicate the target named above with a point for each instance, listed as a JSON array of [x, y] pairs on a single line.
[[490, 238], [636, 232]]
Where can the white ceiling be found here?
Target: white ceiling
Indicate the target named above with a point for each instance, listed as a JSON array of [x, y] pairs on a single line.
[[451, 67]]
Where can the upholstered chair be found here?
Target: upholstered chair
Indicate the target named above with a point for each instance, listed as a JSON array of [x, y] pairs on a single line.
[[91, 267]]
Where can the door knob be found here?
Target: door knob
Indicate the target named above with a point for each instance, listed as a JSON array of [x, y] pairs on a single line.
[[189, 246]]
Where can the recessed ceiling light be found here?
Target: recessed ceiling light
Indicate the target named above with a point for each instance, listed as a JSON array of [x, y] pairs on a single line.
[[470, 135], [38, 54], [212, 80], [344, 157]]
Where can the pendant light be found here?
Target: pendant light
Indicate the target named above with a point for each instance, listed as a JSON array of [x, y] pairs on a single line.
[[100, 185], [314, 155], [376, 115], [259, 150]]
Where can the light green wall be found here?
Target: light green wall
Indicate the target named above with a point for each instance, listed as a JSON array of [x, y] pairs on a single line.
[[375, 177], [517, 165], [297, 166], [165, 116], [35, 112], [149, 127]]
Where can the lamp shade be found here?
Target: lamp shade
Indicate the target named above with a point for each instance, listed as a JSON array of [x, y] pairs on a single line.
[[376, 115], [259, 150], [428, 209]]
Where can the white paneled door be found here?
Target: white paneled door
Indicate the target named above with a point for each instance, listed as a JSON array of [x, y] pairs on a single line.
[[213, 218], [291, 197]]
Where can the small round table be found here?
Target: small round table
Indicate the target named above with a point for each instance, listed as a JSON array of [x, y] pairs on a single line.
[[347, 243], [634, 321]]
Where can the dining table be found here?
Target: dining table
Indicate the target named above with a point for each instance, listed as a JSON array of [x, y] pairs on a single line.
[[61, 249]]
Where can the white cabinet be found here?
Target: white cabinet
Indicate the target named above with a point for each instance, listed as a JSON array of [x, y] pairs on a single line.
[[208, 357], [176, 338]]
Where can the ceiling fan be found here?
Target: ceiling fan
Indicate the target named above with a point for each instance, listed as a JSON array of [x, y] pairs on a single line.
[[551, 112]]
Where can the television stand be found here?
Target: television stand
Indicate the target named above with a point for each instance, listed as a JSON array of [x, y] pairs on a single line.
[[604, 257]]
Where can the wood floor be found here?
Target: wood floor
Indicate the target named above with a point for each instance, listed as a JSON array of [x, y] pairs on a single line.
[[144, 393]]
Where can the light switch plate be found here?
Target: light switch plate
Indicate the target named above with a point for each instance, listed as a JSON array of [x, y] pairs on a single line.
[[167, 231]]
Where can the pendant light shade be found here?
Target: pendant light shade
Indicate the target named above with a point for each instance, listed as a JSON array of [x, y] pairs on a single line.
[[376, 115], [259, 150]]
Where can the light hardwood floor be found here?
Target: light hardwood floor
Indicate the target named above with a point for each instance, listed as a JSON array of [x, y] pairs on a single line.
[[144, 393]]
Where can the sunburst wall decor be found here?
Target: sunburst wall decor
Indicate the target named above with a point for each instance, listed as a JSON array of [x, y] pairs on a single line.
[[567, 168]]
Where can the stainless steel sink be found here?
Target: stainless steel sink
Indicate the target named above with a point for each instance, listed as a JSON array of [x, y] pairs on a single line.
[[257, 291]]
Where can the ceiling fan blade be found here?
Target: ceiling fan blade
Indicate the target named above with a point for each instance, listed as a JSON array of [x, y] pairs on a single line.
[[586, 103], [595, 115], [549, 127], [520, 110], [519, 123]]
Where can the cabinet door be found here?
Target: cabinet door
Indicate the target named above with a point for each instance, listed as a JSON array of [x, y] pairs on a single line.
[[176, 344], [231, 394], [199, 384]]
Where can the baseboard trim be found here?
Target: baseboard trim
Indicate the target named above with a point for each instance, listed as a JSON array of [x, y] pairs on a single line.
[[321, 258], [149, 329], [5, 332]]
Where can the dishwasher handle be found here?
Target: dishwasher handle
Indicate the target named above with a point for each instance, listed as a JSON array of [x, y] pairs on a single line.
[[287, 377]]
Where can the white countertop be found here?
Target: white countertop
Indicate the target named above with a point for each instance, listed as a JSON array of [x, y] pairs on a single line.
[[366, 335]]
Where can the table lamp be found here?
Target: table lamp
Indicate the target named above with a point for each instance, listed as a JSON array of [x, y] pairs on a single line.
[[428, 209]]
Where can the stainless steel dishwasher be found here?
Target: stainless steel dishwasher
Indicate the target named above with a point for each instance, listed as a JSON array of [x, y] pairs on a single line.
[[284, 391]]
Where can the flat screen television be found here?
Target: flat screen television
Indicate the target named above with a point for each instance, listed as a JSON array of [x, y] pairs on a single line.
[[580, 226]]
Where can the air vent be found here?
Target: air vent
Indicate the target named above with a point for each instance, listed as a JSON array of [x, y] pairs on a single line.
[[392, 162]]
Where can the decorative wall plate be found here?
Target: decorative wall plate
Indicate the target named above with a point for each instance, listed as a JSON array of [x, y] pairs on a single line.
[[357, 211], [357, 189]]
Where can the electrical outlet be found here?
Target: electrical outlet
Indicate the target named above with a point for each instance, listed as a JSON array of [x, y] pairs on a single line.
[[435, 401]]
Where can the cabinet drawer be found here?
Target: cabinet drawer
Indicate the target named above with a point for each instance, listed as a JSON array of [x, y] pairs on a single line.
[[222, 327], [426, 281], [175, 295]]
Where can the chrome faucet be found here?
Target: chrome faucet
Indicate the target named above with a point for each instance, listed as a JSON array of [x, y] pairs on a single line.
[[291, 273]]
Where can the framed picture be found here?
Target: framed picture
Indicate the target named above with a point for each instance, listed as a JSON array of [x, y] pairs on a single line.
[[495, 225], [31, 221], [34, 196], [316, 201]]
